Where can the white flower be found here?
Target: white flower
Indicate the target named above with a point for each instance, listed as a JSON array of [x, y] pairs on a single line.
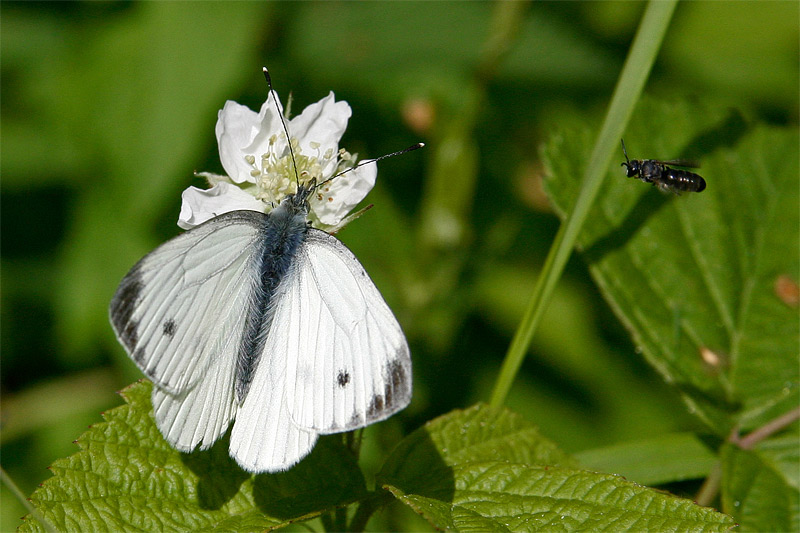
[[254, 152]]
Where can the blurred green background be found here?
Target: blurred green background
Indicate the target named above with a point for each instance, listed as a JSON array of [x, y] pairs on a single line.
[[108, 108]]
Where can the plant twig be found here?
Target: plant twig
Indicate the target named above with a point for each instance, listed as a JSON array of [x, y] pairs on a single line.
[[710, 488], [747, 442], [367, 507]]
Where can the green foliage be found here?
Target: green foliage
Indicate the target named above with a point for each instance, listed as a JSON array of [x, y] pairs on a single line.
[[499, 496], [760, 486], [485, 469], [108, 108], [697, 272], [477, 469], [654, 461], [126, 477], [694, 277]]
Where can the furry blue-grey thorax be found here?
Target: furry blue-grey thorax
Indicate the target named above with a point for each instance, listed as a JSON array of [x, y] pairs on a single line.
[[283, 232]]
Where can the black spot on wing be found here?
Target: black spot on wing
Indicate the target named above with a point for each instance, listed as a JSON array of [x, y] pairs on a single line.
[[343, 378], [375, 407], [123, 307], [395, 377], [138, 356], [169, 328]]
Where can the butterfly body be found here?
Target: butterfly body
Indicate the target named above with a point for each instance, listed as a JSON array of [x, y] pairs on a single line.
[[283, 232], [260, 321]]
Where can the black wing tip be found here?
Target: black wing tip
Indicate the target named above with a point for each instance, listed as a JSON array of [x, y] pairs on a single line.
[[397, 389]]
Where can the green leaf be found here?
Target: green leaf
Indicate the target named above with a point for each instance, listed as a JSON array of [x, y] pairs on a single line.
[[486, 469], [422, 462], [693, 277], [496, 496], [480, 433], [783, 454], [653, 461], [126, 477], [759, 487]]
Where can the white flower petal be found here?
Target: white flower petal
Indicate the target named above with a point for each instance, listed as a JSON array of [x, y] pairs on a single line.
[[200, 205], [236, 125], [245, 135], [334, 200], [322, 123], [269, 124], [242, 132]]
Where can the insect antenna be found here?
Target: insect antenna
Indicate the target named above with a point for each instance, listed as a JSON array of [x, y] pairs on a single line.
[[624, 151], [283, 123], [368, 161], [291, 151]]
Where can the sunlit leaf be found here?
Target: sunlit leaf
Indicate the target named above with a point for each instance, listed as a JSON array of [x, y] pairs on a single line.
[[126, 477], [485, 469], [498, 496]]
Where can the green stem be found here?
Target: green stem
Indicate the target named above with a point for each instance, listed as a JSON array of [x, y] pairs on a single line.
[[710, 488], [367, 507], [9, 483], [637, 67], [773, 426]]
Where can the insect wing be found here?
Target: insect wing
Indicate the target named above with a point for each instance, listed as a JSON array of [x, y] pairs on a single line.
[[201, 414], [179, 314], [685, 163], [264, 438], [350, 364], [335, 359]]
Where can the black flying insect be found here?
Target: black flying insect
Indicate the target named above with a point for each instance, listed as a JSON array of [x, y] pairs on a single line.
[[661, 175]]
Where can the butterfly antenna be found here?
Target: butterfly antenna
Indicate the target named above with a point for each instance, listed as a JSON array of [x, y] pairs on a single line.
[[283, 123], [368, 161]]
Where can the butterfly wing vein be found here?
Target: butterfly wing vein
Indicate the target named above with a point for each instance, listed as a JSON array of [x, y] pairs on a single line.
[[352, 364], [179, 314], [335, 359]]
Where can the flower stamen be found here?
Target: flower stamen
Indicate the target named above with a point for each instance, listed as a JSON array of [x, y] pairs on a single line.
[[275, 176]]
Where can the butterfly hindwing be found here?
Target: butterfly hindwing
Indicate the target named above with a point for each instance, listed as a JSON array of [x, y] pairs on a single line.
[[201, 414], [349, 362], [179, 313], [264, 438], [333, 356]]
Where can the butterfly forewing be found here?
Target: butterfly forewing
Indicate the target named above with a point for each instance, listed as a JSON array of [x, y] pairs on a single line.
[[180, 306], [331, 355], [351, 363]]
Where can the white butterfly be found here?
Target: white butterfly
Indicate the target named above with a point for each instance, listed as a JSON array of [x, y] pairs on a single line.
[[260, 320]]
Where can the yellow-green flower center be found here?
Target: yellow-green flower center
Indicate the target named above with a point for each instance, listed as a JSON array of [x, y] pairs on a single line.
[[275, 175]]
